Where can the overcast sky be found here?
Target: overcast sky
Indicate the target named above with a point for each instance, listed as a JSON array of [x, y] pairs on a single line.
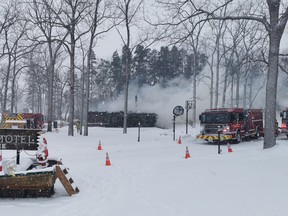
[[112, 42], [108, 45]]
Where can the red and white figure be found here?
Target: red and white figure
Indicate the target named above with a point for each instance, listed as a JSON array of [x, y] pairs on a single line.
[[42, 153], [9, 167]]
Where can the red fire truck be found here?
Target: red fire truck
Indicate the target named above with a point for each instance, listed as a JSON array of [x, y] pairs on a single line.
[[284, 122], [21, 120], [232, 124]]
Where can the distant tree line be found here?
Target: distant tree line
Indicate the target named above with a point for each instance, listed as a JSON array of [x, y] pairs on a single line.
[[149, 67]]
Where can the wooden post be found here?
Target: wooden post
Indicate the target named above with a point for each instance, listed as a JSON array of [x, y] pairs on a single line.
[[67, 183]]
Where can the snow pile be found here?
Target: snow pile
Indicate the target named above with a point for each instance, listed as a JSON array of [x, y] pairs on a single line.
[[152, 177]]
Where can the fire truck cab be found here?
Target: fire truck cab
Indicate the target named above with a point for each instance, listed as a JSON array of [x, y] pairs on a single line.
[[232, 124], [284, 122]]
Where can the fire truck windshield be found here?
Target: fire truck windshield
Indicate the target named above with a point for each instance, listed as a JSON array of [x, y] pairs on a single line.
[[216, 118]]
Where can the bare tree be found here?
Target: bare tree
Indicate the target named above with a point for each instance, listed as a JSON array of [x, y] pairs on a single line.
[[195, 41], [97, 20], [19, 49], [61, 84], [238, 59], [274, 26], [127, 15], [35, 79], [252, 37], [228, 56], [82, 80], [215, 60], [218, 30], [11, 17], [273, 15], [41, 16], [69, 14]]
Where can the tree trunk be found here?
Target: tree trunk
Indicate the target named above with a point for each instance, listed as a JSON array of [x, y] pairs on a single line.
[[126, 88], [72, 84], [86, 109], [211, 89], [224, 88], [217, 72], [237, 87], [50, 88], [271, 90], [211, 81], [232, 91], [277, 27], [245, 92], [6, 86], [194, 88], [82, 95], [250, 91], [13, 101]]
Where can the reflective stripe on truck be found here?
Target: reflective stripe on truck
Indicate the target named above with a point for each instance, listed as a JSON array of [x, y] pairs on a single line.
[[214, 137]]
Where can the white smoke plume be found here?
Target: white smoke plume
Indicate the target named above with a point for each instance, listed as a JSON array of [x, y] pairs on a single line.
[[159, 100]]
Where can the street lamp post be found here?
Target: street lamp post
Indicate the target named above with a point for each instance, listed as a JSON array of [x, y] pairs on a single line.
[[177, 111]]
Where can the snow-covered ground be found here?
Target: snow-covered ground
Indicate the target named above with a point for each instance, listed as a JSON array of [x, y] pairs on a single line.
[[152, 177]]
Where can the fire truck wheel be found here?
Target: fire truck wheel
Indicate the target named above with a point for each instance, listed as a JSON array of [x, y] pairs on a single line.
[[238, 137]]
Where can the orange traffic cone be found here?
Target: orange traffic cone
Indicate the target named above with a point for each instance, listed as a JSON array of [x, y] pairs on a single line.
[[99, 146], [108, 163], [179, 140], [229, 148], [0, 162], [187, 155]]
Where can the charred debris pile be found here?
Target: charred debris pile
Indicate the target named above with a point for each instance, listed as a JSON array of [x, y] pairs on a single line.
[[115, 119]]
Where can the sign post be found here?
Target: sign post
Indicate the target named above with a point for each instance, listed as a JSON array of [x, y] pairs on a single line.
[[219, 140], [177, 111], [188, 107], [174, 118], [139, 126]]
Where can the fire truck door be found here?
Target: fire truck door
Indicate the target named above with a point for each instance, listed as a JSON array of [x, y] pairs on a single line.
[[28, 123]]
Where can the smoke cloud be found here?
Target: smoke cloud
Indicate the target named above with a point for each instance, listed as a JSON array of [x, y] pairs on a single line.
[[159, 100]]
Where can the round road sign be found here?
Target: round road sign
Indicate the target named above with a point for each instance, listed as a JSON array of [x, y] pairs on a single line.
[[178, 111]]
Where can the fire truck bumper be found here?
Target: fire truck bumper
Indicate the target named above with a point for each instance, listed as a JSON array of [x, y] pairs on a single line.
[[283, 130], [213, 138]]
